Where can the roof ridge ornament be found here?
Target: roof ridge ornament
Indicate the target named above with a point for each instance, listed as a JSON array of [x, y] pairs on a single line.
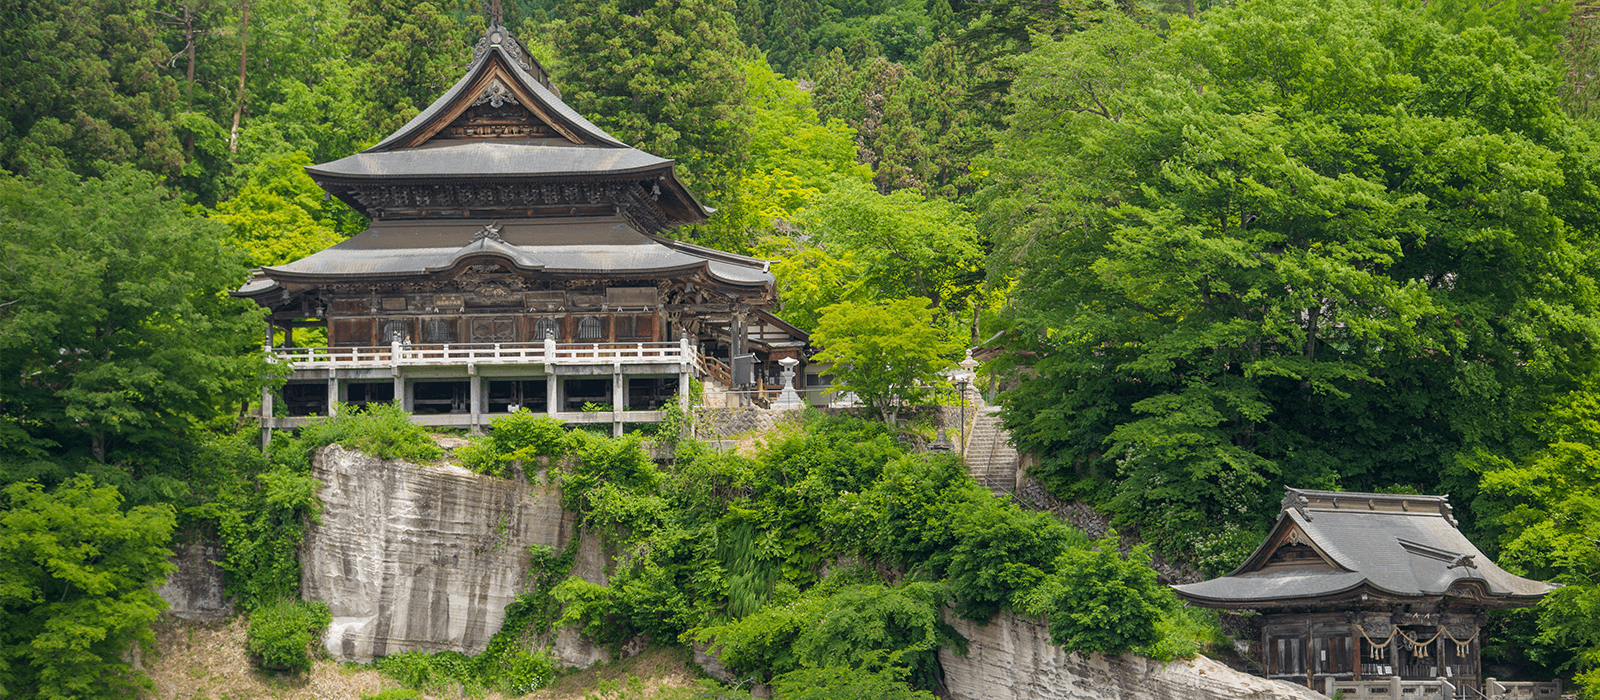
[[491, 232], [1293, 498]]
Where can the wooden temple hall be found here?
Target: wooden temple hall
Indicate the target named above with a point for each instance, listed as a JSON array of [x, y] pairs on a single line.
[[515, 259], [1375, 595]]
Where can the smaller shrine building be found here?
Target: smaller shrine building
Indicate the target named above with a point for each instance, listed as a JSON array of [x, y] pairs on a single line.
[[1366, 586]]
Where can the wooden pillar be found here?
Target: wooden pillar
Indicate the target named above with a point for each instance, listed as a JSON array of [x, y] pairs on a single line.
[[1356, 658]]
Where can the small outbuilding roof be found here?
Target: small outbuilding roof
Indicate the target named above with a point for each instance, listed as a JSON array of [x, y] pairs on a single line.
[[1333, 546]]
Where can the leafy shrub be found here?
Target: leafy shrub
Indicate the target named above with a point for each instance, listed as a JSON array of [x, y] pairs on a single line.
[[845, 683], [282, 632], [513, 673], [383, 430], [841, 622], [1097, 600], [1183, 632], [519, 436]]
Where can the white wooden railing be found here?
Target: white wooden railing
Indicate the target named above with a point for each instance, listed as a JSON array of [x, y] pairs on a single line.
[[548, 352], [1439, 688]]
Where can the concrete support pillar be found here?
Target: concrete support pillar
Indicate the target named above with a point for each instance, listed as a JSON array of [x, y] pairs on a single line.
[[619, 399], [266, 397], [683, 372], [475, 398], [552, 386], [400, 391], [333, 391]]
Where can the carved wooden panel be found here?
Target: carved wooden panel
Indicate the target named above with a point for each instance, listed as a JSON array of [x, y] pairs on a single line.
[[394, 303], [351, 306], [392, 329], [632, 297], [493, 329], [349, 332]]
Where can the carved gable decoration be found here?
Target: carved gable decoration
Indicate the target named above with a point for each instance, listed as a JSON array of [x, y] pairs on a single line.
[[1294, 550], [496, 113]]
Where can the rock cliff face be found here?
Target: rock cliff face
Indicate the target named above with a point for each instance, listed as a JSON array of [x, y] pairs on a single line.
[[1012, 657], [423, 557], [194, 590]]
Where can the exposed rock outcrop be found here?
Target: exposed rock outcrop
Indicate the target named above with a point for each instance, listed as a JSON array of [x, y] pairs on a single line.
[[424, 556], [194, 590], [1012, 657]]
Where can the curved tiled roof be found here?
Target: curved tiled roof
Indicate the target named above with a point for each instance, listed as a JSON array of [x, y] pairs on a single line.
[[591, 246], [1404, 546]]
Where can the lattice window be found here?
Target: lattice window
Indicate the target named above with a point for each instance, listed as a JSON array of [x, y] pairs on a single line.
[[440, 331], [590, 328], [395, 331], [546, 327]]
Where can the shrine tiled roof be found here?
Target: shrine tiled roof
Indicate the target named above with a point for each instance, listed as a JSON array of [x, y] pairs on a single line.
[[1392, 545], [580, 246]]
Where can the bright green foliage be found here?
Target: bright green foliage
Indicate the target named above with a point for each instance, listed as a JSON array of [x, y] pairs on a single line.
[[887, 355], [519, 437], [115, 335], [999, 553], [1359, 255], [902, 244], [727, 549], [282, 632], [841, 623], [513, 674], [667, 77], [77, 588], [280, 216], [384, 431], [1547, 511], [845, 683], [1098, 600]]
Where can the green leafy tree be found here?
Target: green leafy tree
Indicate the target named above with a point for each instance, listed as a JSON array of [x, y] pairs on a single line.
[[281, 215], [667, 77], [1546, 512], [411, 51], [117, 330], [85, 89], [77, 588], [1283, 278], [888, 355], [900, 245]]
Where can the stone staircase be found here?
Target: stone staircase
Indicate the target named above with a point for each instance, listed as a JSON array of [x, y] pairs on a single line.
[[991, 460]]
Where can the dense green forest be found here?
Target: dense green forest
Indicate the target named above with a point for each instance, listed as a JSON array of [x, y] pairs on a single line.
[[1224, 247]]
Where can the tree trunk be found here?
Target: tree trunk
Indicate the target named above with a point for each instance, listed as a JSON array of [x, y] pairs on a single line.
[[244, 49], [188, 73]]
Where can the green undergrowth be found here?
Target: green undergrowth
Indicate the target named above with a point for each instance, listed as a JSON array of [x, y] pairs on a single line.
[[750, 554], [383, 430], [282, 633]]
